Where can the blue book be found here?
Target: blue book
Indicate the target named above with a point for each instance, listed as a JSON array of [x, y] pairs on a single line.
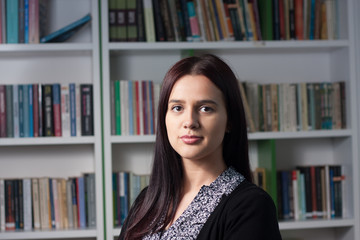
[[124, 195], [332, 192], [81, 196], [72, 96], [130, 107], [26, 21], [21, 110], [31, 116], [312, 20], [285, 194], [12, 21], [66, 32], [26, 109]]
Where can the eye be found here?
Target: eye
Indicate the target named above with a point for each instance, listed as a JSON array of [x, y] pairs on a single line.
[[176, 108], [206, 109]]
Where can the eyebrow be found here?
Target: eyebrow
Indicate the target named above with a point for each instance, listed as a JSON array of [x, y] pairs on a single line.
[[208, 101]]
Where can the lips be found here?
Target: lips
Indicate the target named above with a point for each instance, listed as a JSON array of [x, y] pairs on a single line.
[[191, 139]]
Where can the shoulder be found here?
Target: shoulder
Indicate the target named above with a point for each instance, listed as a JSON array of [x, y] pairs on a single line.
[[248, 212]]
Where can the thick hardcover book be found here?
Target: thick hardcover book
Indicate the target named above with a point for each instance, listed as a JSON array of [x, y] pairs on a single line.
[[66, 32], [87, 114], [48, 116]]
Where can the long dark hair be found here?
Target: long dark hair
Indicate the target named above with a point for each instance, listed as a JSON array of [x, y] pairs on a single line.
[[158, 203]]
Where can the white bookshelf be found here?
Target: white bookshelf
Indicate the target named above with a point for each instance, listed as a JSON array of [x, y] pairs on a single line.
[[75, 61], [263, 62]]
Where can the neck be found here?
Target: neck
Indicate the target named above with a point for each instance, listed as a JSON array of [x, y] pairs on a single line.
[[198, 174]]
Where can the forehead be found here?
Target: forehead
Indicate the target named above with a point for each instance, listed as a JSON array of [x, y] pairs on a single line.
[[195, 86]]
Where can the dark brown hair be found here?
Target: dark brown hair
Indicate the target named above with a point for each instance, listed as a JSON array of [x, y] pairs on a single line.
[[159, 201]]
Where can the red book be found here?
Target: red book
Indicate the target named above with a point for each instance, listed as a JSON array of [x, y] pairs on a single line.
[[57, 110], [282, 20], [299, 19], [10, 205], [144, 100]]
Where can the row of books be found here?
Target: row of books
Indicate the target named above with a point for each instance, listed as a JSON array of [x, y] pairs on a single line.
[[43, 110], [126, 187], [47, 203], [218, 20], [311, 192], [22, 21], [294, 107], [27, 21], [133, 107]]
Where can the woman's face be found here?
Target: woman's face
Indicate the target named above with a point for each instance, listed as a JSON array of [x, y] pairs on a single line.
[[196, 119]]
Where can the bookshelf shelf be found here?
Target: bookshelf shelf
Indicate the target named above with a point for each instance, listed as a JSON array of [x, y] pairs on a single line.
[[46, 47], [47, 141], [133, 139], [316, 45], [54, 234], [308, 224]]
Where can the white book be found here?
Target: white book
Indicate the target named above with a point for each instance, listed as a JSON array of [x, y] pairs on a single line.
[[149, 20], [27, 204], [65, 110], [56, 203], [44, 203], [2, 205], [36, 203], [124, 107], [295, 194]]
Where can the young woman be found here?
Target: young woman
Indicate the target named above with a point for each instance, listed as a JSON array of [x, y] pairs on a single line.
[[201, 183]]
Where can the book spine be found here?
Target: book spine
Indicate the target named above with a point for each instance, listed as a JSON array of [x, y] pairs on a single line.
[[81, 201], [65, 110], [9, 205], [3, 128], [34, 21], [48, 116], [69, 204], [12, 21], [56, 91], [27, 204], [31, 110], [149, 21], [78, 110], [35, 203], [87, 126], [2, 205], [9, 111], [15, 107], [72, 96], [36, 110], [131, 14]]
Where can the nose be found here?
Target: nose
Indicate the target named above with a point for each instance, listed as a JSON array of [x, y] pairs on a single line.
[[191, 120]]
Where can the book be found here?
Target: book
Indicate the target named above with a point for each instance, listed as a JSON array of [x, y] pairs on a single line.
[[2, 205], [28, 223], [65, 110], [3, 131], [87, 114], [66, 32], [47, 109], [12, 21], [9, 111], [36, 203]]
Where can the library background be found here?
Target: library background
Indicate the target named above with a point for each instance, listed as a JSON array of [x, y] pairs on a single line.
[[78, 98]]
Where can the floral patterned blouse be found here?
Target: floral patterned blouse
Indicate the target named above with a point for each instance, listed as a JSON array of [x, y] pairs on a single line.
[[189, 224]]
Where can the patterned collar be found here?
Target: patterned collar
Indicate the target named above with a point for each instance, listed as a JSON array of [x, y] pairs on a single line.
[[191, 221]]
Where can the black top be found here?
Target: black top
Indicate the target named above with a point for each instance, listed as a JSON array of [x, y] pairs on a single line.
[[247, 213]]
